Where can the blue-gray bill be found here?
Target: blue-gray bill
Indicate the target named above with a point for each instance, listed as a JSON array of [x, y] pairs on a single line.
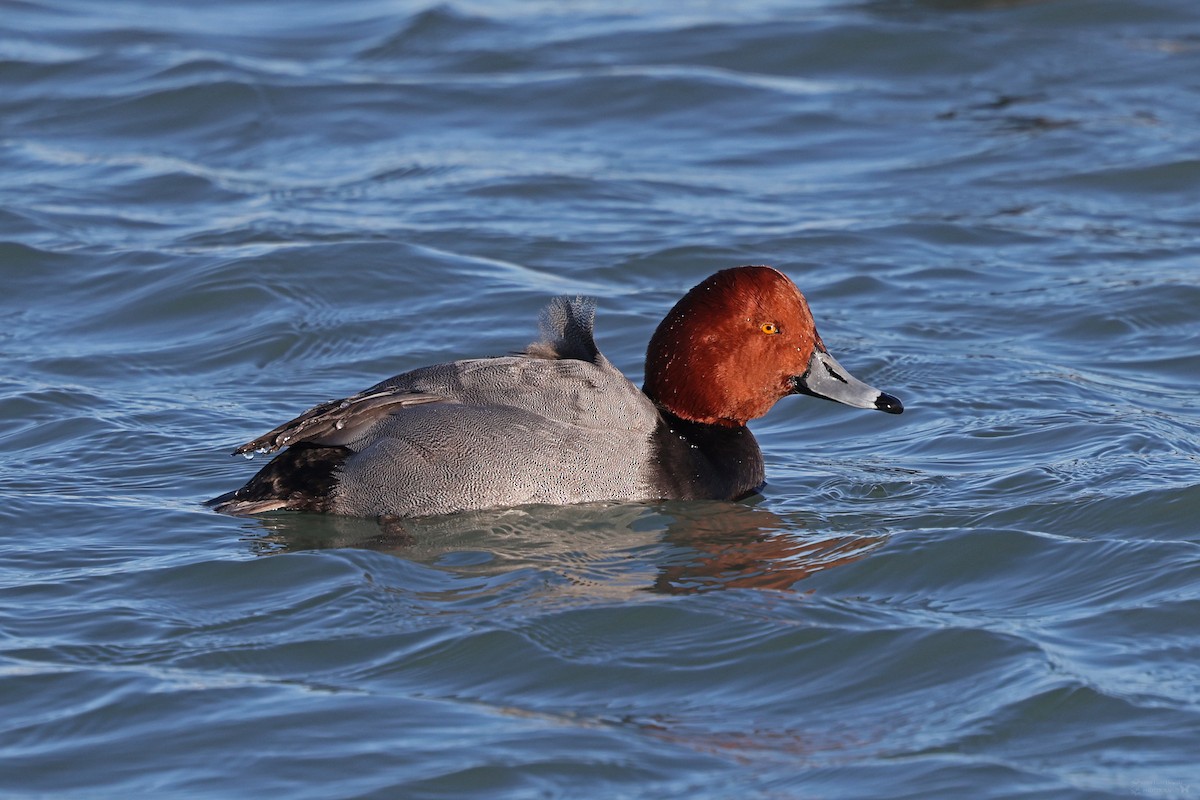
[[828, 379]]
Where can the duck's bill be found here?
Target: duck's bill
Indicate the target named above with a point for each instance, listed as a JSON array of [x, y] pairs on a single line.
[[827, 378]]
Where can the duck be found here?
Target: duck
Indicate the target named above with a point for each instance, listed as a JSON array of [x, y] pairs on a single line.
[[557, 423]]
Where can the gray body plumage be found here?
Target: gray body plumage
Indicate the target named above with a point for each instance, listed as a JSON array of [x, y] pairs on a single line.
[[518, 430], [558, 424]]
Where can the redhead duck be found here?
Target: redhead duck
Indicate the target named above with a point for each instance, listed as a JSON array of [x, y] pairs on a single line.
[[559, 423]]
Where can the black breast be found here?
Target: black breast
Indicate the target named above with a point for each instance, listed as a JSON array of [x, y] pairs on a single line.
[[696, 461]]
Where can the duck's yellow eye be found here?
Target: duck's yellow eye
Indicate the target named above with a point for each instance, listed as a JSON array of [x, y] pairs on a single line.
[[769, 327]]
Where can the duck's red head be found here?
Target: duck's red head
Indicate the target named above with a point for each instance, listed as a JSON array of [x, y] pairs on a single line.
[[737, 343]]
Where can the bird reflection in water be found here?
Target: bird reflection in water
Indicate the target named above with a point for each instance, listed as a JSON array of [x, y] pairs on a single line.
[[669, 548]]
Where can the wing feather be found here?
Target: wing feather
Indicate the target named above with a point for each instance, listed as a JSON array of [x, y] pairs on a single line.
[[338, 422]]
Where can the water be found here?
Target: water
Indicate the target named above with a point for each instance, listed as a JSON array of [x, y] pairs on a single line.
[[214, 217]]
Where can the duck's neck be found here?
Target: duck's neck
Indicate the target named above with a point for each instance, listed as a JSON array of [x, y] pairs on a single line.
[[692, 401]]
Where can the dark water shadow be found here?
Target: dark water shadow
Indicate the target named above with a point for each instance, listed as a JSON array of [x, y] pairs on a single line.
[[669, 548]]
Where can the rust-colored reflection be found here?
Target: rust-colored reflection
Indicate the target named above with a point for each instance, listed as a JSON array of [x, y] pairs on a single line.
[[738, 547]]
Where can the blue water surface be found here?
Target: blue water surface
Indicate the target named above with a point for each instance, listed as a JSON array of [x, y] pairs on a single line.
[[215, 215]]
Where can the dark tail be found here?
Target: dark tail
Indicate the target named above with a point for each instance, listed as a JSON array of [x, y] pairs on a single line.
[[301, 478], [566, 327]]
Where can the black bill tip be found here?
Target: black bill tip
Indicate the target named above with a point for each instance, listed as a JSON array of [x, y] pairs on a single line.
[[889, 403]]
